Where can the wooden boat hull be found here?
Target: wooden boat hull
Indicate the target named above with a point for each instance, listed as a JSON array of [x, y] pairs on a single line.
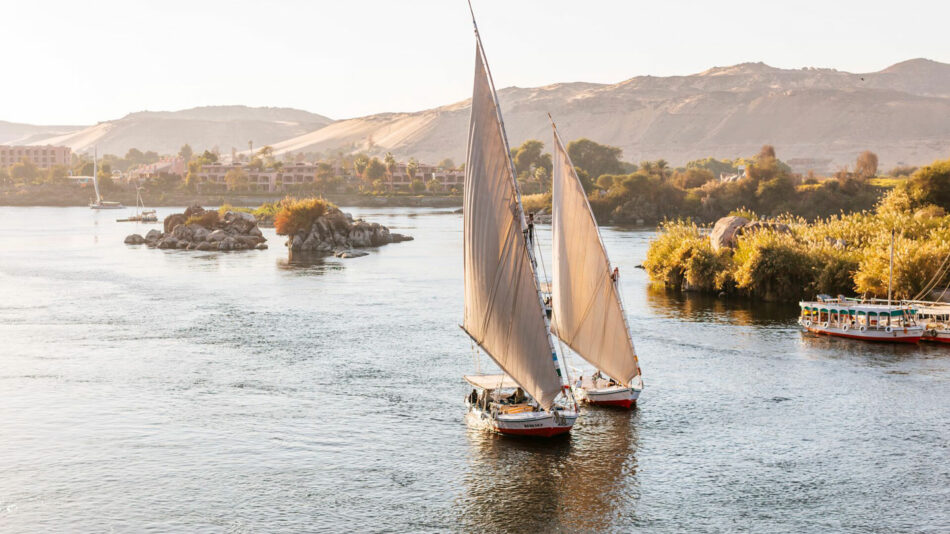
[[619, 397], [936, 336], [529, 424], [910, 335]]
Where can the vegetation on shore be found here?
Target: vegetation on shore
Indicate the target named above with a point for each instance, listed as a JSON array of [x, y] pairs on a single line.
[[652, 191], [620, 192], [840, 254]]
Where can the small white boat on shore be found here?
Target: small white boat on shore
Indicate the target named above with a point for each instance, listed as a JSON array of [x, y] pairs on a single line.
[[141, 214]]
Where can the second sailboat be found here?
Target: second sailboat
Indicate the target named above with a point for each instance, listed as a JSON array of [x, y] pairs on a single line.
[[587, 311]]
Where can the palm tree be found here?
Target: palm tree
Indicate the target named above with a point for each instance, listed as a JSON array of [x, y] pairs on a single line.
[[360, 164], [411, 168], [390, 162]]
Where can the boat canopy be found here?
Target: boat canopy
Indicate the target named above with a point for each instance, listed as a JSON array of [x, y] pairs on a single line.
[[859, 310], [492, 381], [503, 309], [587, 312]]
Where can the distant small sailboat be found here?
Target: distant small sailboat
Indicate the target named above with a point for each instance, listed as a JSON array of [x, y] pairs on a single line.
[[141, 214], [100, 204], [587, 311], [504, 312]]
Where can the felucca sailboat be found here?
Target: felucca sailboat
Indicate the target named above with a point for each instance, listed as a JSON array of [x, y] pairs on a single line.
[[504, 312], [100, 204], [587, 312]]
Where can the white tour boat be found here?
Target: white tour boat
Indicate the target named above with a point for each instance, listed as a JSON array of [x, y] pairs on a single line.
[[868, 320], [98, 203], [587, 310], [504, 308]]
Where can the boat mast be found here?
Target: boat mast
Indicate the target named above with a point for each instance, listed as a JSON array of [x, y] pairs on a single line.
[[890, 270], [558, 361]]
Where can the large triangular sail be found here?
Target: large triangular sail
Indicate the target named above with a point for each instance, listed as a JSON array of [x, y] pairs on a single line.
[[503, 309], [587, 313]]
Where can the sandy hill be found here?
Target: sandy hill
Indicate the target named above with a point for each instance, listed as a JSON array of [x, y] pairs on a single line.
[[202, 128], [12, 133], [902, 113]]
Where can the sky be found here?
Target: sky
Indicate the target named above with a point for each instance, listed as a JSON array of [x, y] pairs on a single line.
[[68, 62]]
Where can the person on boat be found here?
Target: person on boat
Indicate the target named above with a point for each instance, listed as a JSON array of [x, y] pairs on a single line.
[[517, 397], [615, 275], [473, 397], [529, 231]]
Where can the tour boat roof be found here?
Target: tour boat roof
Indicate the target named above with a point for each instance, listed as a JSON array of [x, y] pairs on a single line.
[[853, 308], [491, 381]]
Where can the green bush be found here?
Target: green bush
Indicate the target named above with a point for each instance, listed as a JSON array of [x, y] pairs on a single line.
[[842, 254], [668, 253], [772, 266]]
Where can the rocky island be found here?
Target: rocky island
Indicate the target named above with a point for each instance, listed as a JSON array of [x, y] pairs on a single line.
[[314, 225], [201, 229], [311, 225]]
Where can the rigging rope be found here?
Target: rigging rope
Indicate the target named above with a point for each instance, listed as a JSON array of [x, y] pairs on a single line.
[[941, 271]]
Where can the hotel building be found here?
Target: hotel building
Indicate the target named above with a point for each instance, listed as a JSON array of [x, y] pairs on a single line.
[[43, 157]]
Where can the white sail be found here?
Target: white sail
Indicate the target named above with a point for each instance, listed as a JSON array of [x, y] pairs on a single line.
[[503, 309], [587, 312], [95, 173]]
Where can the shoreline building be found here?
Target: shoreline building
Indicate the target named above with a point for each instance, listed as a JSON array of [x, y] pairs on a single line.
[[296, 175], [174, 165], [43, 157], [283, 179]]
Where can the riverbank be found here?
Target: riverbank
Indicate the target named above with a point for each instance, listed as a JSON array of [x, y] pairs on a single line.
[[786, 258], [69, 195]]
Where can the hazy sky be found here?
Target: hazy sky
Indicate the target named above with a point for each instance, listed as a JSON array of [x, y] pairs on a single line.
[[68, 62]]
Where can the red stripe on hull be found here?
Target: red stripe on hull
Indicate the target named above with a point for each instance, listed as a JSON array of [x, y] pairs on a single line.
[[936, 339], [536, 432], [909, 339], [623, 403]]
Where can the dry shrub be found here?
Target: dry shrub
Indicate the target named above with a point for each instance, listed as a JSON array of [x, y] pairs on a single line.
[[208, 219], [299, 215]]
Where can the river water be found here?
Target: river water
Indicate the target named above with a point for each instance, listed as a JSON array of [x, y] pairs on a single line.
[[172, 391]]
